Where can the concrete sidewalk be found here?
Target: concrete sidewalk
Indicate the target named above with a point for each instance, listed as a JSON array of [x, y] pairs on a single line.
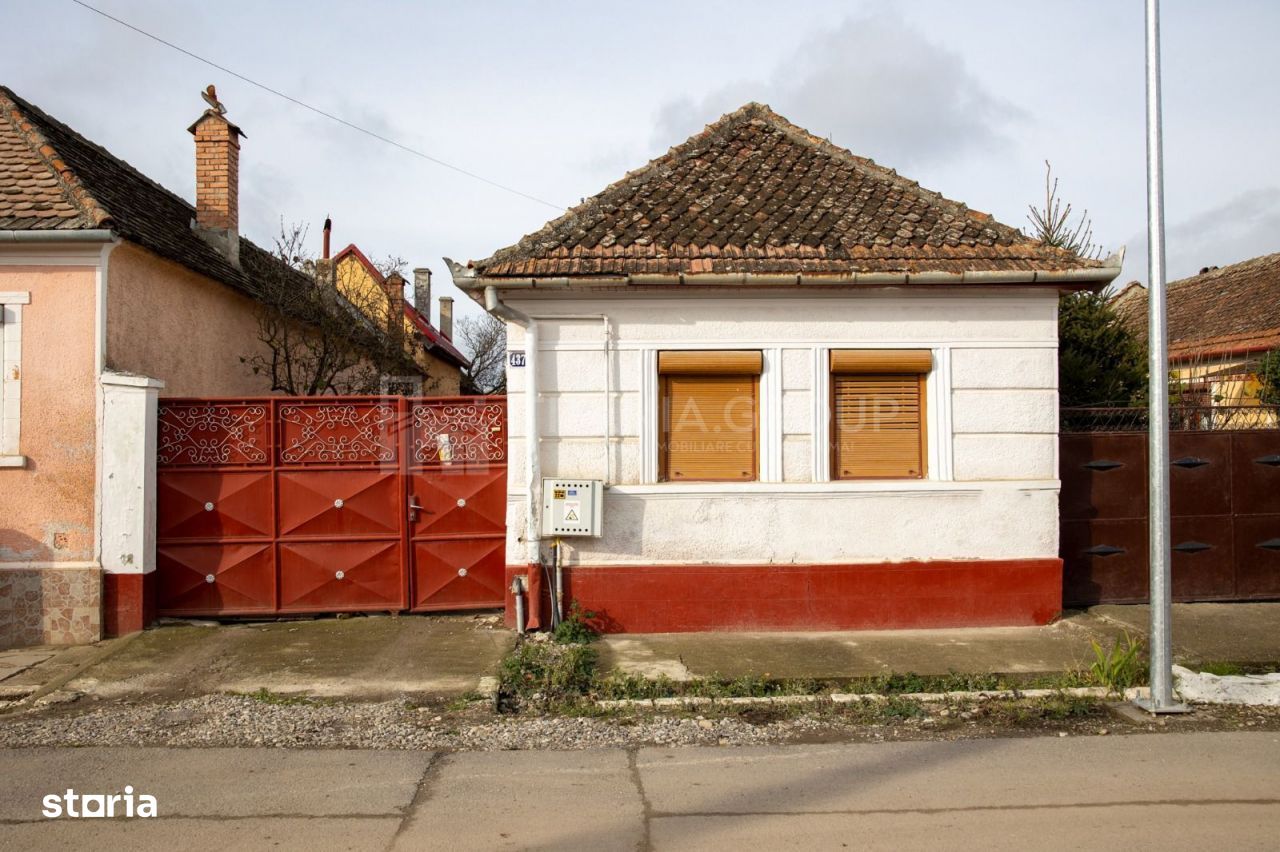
[[1243, 633], [376, 658], [1178, 791], [366, 658]]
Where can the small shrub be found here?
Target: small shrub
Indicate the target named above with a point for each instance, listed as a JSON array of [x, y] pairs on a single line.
[[1069, 707], [976, 682], [901, 708], [547, 674], [618, 685], [576, 628], [1120, 667]]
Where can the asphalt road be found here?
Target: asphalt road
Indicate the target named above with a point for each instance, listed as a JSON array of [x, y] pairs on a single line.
[[1166, 792]]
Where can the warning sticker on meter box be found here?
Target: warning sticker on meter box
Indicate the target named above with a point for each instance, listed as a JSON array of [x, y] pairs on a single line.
[[573, 510]]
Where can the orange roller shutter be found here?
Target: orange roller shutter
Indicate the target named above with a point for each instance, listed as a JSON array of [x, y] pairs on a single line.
[[881, 360], [717, 363], [878, 426], [709, 427]]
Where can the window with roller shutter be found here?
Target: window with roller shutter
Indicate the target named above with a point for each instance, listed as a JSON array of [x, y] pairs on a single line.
[[878, 413], [709, 416]]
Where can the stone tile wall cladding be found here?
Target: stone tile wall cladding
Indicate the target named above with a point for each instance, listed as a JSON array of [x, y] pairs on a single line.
[[50, 606]]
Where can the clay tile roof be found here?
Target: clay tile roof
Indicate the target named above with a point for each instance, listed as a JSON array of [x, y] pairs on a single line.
[[1232, 309], [51, 177], [753, 193]]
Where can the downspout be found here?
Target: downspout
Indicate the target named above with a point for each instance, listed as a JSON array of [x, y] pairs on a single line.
[[532, 456], [101, 291], [101, 281]]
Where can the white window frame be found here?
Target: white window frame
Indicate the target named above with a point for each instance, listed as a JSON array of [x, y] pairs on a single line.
[[937, 423], [769, 413], [11, 377]]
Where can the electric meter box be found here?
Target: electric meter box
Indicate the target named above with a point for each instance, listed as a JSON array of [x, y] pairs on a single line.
[[572, 507]]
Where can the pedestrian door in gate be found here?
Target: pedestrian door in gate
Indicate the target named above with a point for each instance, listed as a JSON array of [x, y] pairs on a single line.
[[329, 504]]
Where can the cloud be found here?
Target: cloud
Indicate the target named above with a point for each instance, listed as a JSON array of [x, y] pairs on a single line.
[[1246, 226], [876, 85]]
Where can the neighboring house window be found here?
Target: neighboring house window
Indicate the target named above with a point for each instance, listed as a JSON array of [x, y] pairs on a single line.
[[11, 376], [878, 413], [709, 426]]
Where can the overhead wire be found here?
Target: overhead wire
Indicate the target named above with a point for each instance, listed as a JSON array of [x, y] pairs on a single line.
[[318, 111]]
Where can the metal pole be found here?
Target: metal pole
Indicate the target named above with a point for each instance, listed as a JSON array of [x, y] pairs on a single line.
[[1161, 640]]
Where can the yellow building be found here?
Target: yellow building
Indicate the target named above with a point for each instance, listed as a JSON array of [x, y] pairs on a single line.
[[381, 297]]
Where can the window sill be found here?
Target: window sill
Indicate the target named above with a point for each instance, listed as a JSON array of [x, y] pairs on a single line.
[[13, 461], [816, 489]]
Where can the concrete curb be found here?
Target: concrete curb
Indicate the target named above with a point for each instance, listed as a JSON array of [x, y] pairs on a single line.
[[853, 698]]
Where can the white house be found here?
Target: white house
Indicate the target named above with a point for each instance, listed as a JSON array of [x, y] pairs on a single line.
[[819, 396]]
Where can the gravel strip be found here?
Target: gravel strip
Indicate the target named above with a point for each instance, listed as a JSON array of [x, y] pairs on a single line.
[[246, 721], [232, 720]]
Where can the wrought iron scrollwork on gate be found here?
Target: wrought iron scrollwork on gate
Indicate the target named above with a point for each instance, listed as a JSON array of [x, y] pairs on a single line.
[[212, 434], [338, 432], [471, 433]]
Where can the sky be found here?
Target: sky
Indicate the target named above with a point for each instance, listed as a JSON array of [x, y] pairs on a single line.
[[559, 99]]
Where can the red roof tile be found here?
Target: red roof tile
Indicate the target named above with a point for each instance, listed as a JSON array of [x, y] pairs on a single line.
[[753, 193], [1232, 309]]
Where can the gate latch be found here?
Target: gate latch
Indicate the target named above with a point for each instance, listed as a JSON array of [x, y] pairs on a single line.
[[414, 508]]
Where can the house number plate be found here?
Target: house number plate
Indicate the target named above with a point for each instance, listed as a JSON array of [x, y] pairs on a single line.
[[515, 359]]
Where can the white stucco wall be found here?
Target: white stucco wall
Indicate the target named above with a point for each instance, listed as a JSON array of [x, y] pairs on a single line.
[[992, 487]]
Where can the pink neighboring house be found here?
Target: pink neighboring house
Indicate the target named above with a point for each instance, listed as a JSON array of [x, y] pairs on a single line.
[[115, 291]]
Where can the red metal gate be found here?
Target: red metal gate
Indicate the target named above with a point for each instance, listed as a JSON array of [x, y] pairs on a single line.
[[330, 504], [1225, 508]]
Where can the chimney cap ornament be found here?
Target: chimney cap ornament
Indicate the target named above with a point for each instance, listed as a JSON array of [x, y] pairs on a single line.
[[210, 95]]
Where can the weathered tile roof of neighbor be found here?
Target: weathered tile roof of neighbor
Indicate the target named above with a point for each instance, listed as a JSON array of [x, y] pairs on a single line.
[[52, 178], [753, 193], [1229, 309]]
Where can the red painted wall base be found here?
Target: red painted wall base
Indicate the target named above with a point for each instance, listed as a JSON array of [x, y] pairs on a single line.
[[898, 595], [128, 602], [537, 598]]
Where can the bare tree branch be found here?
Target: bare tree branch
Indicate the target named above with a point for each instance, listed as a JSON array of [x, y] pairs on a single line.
[[1052, 223], [485, 338], [318, 340]]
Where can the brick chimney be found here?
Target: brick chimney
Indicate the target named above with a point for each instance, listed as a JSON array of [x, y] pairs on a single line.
[[446, 317], [393, 286], [422, 291], [218, 178]]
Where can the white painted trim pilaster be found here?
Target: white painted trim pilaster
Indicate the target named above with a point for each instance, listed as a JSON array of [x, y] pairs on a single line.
[[649, 408], [821, 414], [771, 416], [100, 282], [944, 442]]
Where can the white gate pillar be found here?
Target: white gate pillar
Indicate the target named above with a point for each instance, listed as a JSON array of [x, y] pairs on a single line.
[[127, 500]]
